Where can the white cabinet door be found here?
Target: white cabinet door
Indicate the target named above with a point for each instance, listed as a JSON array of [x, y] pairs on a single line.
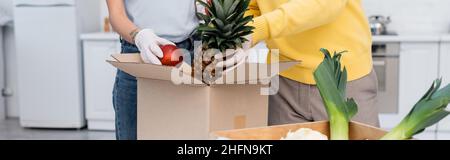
[[444, 69], [49, 71], [443, 135], [99, 81], [2, 78], [418, 69], [427, 135]]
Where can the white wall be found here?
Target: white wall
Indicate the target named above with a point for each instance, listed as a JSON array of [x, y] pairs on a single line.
[[413, 16]]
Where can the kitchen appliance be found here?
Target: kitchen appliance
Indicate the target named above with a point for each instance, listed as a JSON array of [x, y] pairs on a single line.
[[386, 65], [2, 77], [99, 79], [378, 24], [49, 60], [4, 19]]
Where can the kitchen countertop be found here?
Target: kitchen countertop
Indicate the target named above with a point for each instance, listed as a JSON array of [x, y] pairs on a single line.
[[407, 38], [100, 36]]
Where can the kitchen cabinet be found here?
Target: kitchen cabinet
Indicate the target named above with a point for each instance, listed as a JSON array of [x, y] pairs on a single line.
[[444, 72], [443, 135], [418, 68], [2, 76], [99, 79], [427, 135]]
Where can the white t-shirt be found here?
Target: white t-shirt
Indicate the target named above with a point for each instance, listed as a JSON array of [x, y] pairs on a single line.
[[174, 20]]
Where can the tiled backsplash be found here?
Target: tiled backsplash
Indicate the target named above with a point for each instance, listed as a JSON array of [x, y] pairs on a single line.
[[413, 16]]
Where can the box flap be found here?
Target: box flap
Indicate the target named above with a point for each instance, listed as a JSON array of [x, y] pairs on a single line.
[[254, 72], [128, 58], [133, 65]]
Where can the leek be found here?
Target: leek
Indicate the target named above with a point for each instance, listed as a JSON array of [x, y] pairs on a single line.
[[427, 112], [331, 81]]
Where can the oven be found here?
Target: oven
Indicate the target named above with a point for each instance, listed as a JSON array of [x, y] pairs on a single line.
[[386, 65]]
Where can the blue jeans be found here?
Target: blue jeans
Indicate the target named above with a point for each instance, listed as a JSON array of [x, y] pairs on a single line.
[[125, 96]]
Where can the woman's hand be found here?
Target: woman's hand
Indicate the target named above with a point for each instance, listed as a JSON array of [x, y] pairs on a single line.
[[234, 57], [149, 45]]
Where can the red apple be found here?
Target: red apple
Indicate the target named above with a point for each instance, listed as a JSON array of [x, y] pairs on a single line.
[[171, 55]]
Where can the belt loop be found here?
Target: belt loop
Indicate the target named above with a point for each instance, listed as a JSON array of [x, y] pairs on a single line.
[[121, 39]]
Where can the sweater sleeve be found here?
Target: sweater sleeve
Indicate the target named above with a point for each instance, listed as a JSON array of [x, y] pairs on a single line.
[[296, 16], [253, 9]]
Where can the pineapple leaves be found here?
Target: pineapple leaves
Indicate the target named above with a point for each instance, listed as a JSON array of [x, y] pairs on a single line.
[[243, 6], [203, 17], [234, 18], [219, 9], [219, 23], [225, 24], [206, 29], [244, 21], [227, 5], [232, 8]]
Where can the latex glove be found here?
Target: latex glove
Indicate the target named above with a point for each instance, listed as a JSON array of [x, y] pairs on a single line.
[[148, 43], [234, 57]]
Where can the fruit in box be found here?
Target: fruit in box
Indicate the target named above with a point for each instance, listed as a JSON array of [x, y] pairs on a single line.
[[171, 55], [224, 27]]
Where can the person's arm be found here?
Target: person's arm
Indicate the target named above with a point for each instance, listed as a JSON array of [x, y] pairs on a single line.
[[120, 21], [146, 40], [296, 16]]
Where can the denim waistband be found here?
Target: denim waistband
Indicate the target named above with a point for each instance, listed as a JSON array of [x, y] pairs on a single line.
[[186, 44]]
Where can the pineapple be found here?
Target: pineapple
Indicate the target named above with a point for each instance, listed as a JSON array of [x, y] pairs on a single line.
[[224, 27]]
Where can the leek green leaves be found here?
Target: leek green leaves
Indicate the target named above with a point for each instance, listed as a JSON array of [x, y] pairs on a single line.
[[428, 111], [331, 81]]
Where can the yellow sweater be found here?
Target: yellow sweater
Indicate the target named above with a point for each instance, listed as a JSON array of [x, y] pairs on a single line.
[[299, 28]]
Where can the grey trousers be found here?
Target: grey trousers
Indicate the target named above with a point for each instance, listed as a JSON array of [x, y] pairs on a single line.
[[296, 102]]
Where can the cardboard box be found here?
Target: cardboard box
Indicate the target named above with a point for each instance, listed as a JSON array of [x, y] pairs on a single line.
[[358, 131], [194, 110]]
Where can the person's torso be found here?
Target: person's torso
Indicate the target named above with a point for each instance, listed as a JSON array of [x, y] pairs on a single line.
[[174, 20], [349, 31]]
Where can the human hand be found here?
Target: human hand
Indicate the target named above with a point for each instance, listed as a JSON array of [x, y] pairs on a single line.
[[149, 45]]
